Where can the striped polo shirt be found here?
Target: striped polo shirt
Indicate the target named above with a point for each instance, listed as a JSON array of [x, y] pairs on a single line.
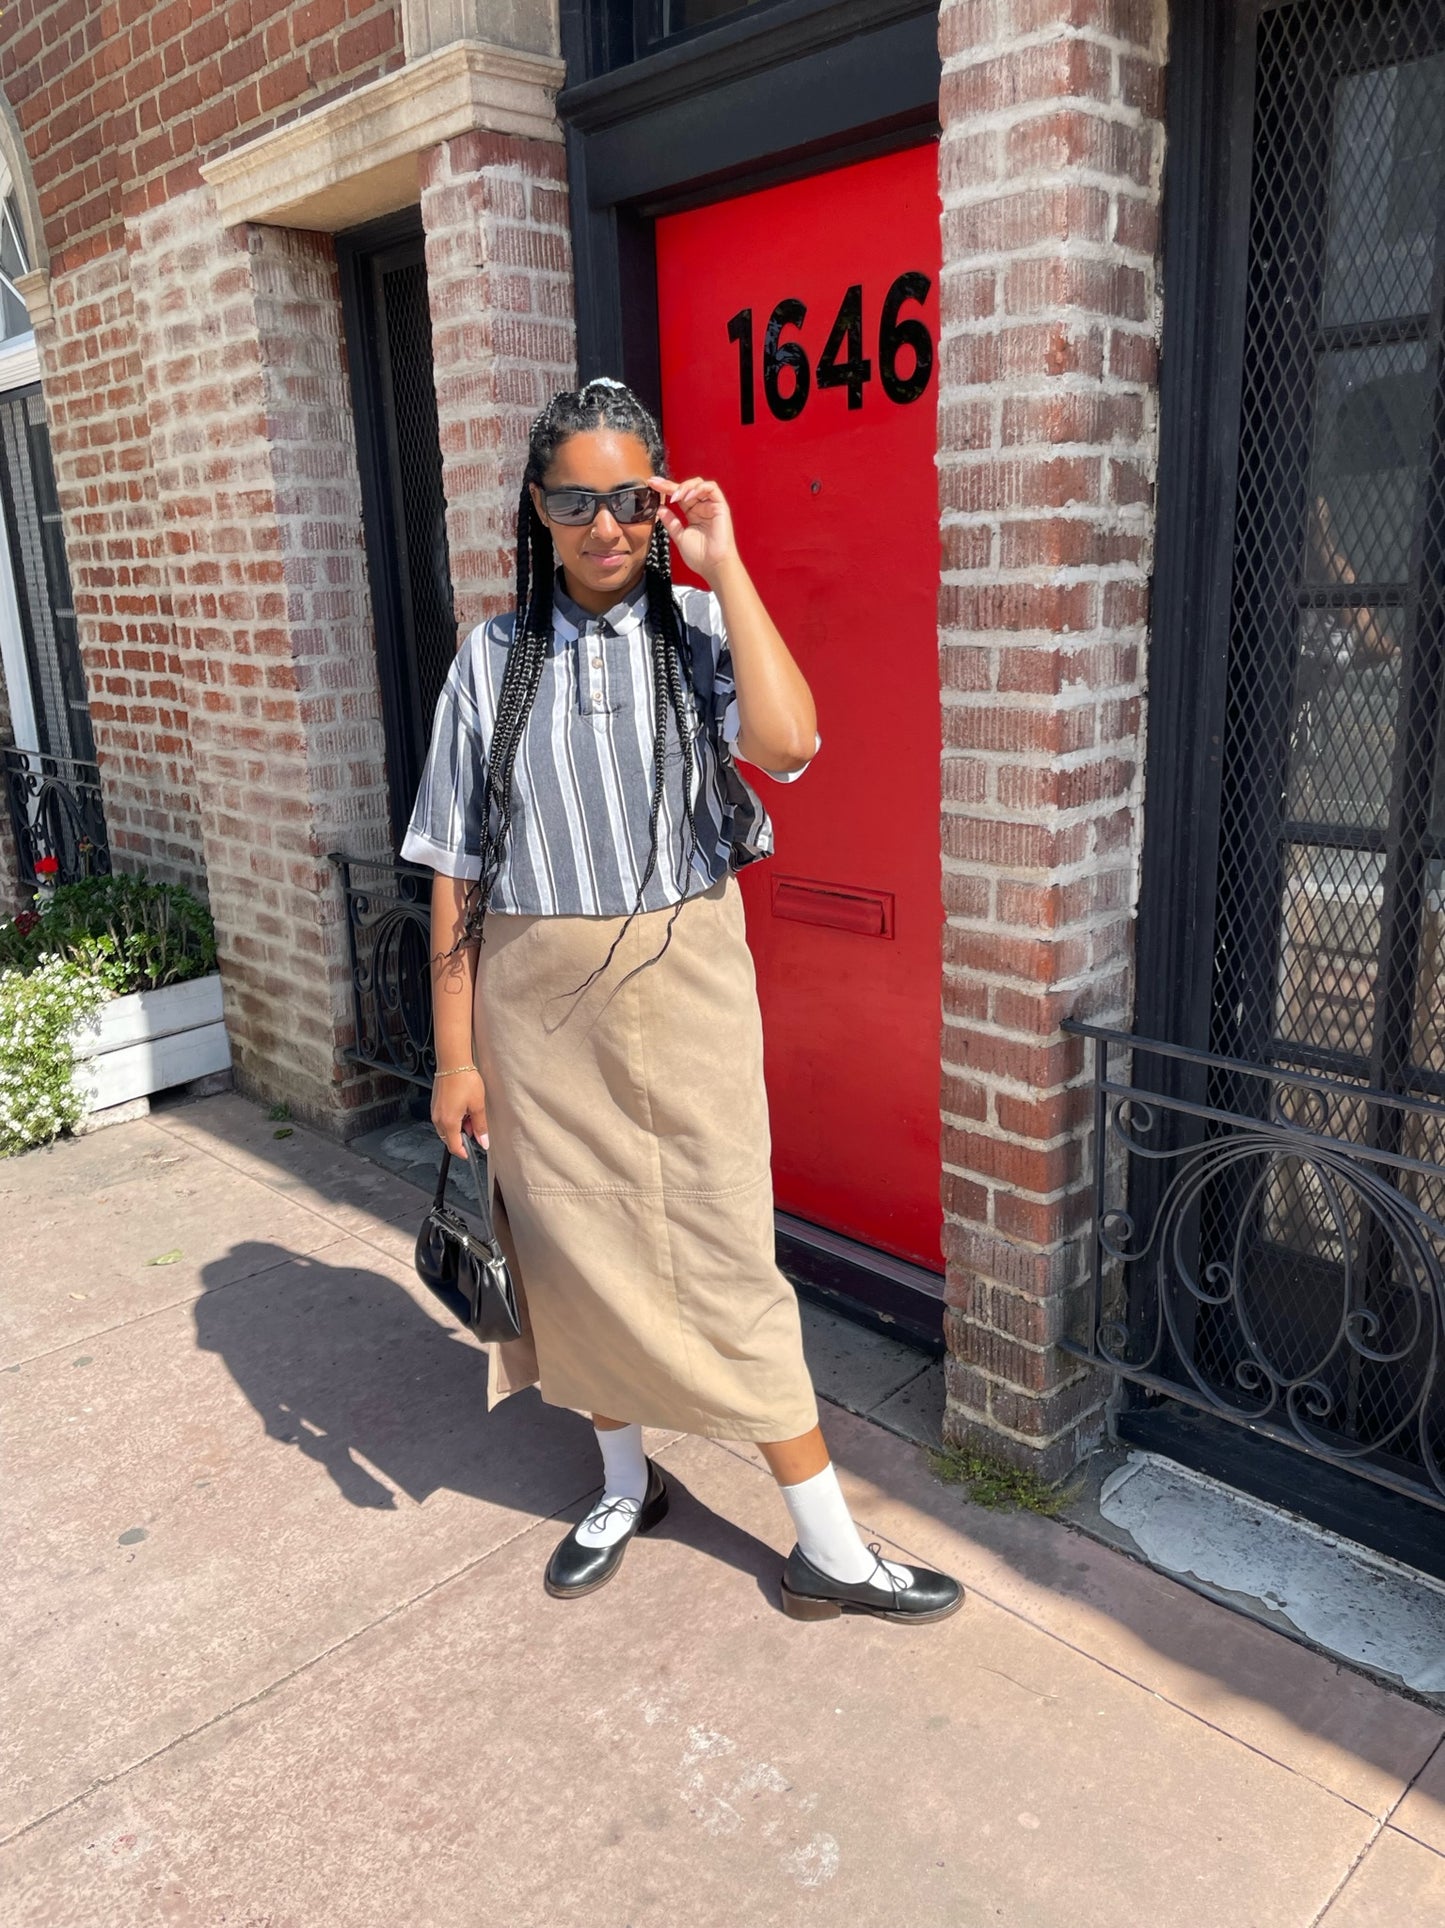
[[583, 779]]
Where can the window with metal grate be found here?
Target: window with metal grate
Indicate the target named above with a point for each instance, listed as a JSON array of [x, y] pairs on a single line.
[[1329, 940]]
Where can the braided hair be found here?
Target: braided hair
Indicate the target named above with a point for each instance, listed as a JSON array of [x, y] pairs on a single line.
[[608, 404]]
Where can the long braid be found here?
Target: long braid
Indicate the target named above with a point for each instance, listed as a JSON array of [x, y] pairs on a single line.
[[603, 404], [669, 649], [520, 681]]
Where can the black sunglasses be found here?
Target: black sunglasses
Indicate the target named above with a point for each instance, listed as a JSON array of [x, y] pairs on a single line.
[[578, 507]]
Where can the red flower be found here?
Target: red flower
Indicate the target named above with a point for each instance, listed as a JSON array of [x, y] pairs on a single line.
[[46, 866], [26, 921]]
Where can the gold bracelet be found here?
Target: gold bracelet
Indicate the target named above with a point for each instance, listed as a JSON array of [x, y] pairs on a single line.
[[454, 1070]]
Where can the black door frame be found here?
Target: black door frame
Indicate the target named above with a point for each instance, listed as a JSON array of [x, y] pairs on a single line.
[[359, 252], [1209, 115], [771, 95], [768, 96]]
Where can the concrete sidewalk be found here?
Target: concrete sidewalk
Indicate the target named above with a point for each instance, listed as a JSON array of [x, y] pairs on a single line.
[[280, 1654]]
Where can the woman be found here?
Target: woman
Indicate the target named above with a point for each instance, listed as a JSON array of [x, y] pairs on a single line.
[[594, 994]]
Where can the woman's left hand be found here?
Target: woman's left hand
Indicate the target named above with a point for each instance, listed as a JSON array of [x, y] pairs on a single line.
[[696, 515]]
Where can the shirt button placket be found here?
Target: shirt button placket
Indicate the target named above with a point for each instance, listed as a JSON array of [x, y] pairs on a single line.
[[586, 676]]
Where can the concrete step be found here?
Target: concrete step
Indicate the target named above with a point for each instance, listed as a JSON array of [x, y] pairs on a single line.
[[1337, 1596]]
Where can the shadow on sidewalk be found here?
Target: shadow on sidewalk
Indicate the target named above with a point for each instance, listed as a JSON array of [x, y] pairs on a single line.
[[348, 1364], [342, 1364]]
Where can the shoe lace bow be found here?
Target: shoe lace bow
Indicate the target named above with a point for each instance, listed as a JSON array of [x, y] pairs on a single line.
[[604, 1509], [884, 1574]]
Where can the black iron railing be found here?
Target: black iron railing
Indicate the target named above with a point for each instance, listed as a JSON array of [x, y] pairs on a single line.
[[388, 935], [57, 813], [1268, 1246]]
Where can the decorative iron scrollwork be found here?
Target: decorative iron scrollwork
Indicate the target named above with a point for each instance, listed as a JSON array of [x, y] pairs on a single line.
[[388, 930], [1266, 1265], [57, 812]]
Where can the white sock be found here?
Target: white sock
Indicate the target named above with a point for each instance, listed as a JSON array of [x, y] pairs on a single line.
[[828, 1537], [624, 1486], [624, 1463]]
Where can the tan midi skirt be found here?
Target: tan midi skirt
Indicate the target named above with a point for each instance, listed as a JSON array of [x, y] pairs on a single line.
[[630, 1161]]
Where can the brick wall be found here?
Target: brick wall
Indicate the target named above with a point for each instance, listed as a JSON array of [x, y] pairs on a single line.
[[119, 103], [206, 463], [251, 438], [1049, 168], [499, 281], [115, 544]]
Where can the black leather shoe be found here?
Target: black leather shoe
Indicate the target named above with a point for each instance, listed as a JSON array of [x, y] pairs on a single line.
[[809, 1594], [578, 1568]]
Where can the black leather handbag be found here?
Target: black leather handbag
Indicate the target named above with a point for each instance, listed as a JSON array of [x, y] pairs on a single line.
[[467, 1269]]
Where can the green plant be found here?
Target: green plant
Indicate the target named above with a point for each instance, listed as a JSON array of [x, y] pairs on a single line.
[[130, 933], [39, 1010], [993, 1482]]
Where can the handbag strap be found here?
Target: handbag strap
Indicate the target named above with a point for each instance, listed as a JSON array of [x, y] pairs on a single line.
[[439, 1197], [477, 1159]]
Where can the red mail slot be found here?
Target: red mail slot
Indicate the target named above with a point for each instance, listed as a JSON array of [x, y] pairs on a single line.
[[868, 913]]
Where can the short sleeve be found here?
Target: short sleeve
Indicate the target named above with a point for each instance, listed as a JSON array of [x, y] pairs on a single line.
[[447, 819], [725, 698]]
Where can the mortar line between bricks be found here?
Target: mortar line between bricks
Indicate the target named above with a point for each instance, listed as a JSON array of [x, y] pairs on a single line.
[[1154, 1693], [302, 1667]]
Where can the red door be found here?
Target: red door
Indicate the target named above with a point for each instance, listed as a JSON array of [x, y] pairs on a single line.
[[799, 328]]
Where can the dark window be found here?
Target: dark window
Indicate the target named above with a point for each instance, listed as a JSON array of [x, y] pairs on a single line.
[[389, 346], [621, 31], [1307, 900], [660, 20], [14, 316], [30, 522]]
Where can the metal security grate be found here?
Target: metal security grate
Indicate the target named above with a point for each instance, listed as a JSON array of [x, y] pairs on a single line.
[[1329, 922], [388, 937], [1269, 1265], [32, 527], [1270, 1209], [1327, 927], [56, 810]]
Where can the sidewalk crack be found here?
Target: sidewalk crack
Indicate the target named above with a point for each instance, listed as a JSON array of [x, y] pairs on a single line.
[[1367, 1848], [977, 1592], [103, 1781]]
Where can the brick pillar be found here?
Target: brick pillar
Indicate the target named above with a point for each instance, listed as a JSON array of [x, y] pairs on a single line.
[[499, 277], [239, 336], [115, 548], [1049, 169]]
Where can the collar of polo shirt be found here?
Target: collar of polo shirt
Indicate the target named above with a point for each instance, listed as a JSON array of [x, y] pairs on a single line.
[[621, 619]]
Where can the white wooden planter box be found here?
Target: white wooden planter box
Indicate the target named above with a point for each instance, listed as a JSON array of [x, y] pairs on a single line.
[[148, 1040]]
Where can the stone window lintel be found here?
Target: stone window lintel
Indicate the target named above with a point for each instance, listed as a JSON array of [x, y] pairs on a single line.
[[356, 158]]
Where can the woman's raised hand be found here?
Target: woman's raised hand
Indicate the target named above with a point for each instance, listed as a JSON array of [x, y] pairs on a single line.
[[696, 515], [456, 1101]]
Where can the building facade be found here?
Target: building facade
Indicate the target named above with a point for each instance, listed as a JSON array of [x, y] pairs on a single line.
[[297, 280]]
